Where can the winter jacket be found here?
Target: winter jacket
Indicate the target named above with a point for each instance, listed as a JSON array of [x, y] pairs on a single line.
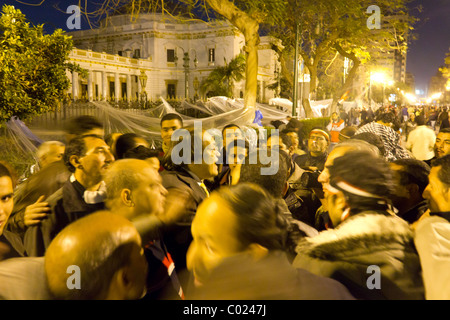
[[362, 244]]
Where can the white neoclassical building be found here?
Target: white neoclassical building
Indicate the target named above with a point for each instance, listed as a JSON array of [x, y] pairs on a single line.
[[157, 57]]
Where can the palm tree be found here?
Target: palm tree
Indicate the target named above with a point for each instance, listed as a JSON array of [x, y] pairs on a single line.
[[220, 82]]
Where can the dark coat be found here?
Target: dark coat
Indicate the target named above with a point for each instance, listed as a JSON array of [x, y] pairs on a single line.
[[67, 205], [178, 237], [366, 239]]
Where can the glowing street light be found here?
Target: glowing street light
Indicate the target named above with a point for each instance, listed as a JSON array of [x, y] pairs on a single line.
[[378, 77]]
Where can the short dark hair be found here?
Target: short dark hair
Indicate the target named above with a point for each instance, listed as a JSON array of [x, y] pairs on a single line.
[[386, 117], [171, 116], [444, 130], [82, 124], [231, 125], [373, 176], [259, 216], [420, 120], [76, 147], [140, 152], [275, 183], [444, 172], [413, 172], [286, 139], [124, 143], [348, 132], [373, 139]]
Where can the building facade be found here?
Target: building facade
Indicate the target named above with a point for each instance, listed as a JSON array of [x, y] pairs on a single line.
[[156, 56]]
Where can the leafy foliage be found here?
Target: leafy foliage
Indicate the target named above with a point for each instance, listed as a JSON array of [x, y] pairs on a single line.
[[220, 82], [32, 67]]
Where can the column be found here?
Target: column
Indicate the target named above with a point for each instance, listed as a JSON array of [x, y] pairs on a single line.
[[116, 87], [104, 85], [75, 85], [89, 88], [128, 87], [139, 88]]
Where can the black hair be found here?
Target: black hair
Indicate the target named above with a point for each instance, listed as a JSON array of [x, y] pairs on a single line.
[[259, 217], [287, 141], [231, 125], [171, 116], [444, 172], [126, 142], [75, 147], [275, 183], [373, 139], [373, 176], [386, 117], [140, 152], [444, 130], [413, 172], [420, 120], [348, 132], [82, 124]]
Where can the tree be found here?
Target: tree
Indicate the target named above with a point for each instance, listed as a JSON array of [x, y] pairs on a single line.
[[330, 26], [33, 67], [446, 70], [220, 82]]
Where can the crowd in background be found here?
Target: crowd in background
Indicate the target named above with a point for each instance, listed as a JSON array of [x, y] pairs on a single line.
[[357, 209]]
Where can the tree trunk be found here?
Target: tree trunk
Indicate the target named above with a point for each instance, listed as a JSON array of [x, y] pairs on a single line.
[[249, 28], [348, 80]]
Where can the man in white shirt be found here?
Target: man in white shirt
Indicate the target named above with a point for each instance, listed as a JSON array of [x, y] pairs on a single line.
[[421, 141]]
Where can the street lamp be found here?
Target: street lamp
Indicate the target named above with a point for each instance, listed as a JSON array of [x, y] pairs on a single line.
[[379, 77], [277, 73], [186, 66], [143, 79]]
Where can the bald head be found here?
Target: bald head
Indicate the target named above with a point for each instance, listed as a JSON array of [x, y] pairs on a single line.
[[134, 187], [106, 250]]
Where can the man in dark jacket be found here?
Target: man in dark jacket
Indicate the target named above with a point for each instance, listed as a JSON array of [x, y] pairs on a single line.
[[88, 158], [183, 178]]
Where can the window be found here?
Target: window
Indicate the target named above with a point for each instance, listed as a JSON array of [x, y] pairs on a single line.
[[120, 53], [211, 55], [171, 90], [137, 54], [170, 55]]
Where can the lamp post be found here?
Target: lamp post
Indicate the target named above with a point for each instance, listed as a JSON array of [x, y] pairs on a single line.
[[277, 74], [143, 79], [187, 69]]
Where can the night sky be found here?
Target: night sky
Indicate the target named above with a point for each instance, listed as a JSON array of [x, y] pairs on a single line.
[[425, 55]]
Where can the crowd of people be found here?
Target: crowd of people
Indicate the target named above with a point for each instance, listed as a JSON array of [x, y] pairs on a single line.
[[358, 209]]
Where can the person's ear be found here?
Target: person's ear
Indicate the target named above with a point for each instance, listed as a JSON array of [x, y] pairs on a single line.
[[412, 189], [75, 161], [120, 285], [125, 197]]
